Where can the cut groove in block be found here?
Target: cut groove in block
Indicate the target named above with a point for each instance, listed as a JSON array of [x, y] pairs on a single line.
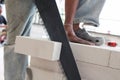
[[44, 49]]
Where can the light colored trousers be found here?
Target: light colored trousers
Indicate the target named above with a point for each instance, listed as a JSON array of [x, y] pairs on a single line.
[[88, 11], [19, 16]]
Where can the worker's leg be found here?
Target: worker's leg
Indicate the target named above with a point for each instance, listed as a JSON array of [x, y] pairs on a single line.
[[70, 11], [19, 16], [88, 12]]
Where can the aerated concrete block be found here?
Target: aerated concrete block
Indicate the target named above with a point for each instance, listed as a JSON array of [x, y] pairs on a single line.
[[90, 54], [115, 60], [96, 72], [41, 74], [54, 66], [44, 49]]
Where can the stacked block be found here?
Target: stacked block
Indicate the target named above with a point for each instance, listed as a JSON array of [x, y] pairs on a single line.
[[97, 63], [94, 62], [44, 54], [46, 69], [38, 48]]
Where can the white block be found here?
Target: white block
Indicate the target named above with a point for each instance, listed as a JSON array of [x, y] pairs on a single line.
[[40, 74], [64, 78], [96, 72], [44, 49], [91, 54], [115, 59], [53, 66]]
